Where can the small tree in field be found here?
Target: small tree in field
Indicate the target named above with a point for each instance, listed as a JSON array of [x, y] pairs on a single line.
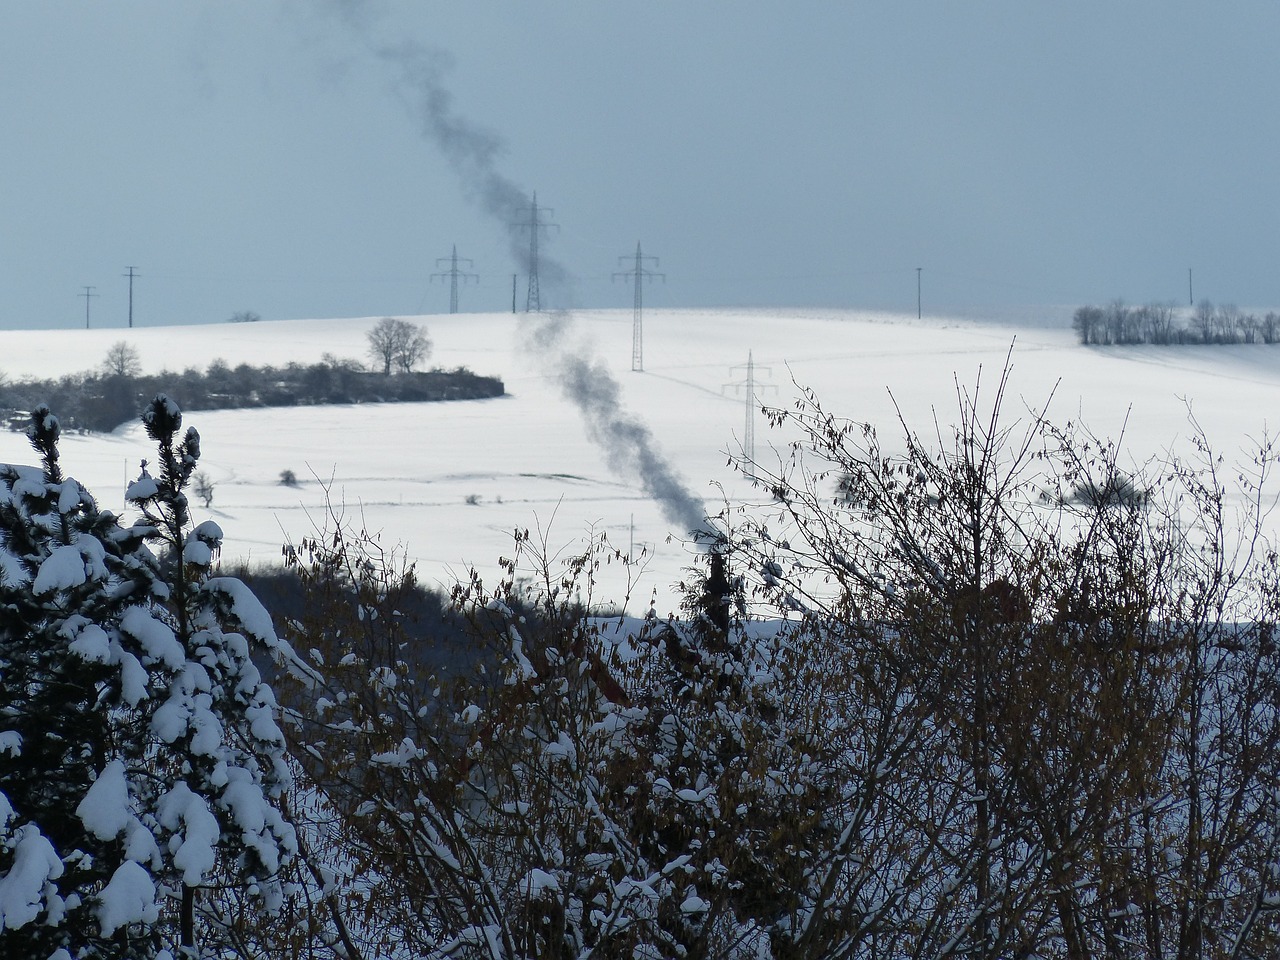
[[203, 488], [414, 348], [399, 344], [122, 360]]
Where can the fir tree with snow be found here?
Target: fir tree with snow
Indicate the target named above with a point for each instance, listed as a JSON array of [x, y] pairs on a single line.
[[139, 751], [75, 859], [220, 753]]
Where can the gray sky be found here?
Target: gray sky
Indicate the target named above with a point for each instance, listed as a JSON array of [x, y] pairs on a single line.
[[271, 156]]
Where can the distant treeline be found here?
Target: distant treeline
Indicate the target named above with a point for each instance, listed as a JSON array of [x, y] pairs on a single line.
[[1120, 323], [102, 400]]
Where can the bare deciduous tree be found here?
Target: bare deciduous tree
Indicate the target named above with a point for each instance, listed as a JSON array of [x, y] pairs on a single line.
[[202, 486], [399, 344], [122, 360]]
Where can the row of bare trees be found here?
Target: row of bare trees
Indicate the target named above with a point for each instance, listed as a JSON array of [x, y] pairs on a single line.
[[1160, 323], [1000, 699]]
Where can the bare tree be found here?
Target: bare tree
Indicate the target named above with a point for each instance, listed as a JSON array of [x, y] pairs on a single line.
[[1158, 320], [1249, 326], [414, 347], [1203, 321], [1088, 324], [1226, 322], [202, 486], [1078, 692], [398, 343], [382, 342], [1271, 327], [122, 360]]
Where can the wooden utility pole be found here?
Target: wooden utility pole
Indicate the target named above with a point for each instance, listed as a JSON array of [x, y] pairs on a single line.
[[88, 293], [131, 275]]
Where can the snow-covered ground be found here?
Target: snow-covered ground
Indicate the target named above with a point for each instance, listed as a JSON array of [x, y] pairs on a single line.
[[450, 481]]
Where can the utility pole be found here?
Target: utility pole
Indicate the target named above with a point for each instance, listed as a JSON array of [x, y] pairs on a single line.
[[1191, 299], [131, 275], [88, 293], [535, 225], [749, 389], [513, 292], [453, 273], [918, 269], [640, 274]]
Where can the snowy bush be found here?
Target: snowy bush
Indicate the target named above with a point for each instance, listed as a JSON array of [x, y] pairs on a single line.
[[568, 793], [1048, 725]]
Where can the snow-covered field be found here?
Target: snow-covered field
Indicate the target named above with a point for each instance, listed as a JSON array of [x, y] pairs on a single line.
[[450, 481]]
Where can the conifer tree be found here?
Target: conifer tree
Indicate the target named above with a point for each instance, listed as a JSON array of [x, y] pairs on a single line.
[[139, 751], [221, 754]]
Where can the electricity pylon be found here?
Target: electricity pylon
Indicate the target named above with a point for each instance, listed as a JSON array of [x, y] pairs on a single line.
[[453, 273], [640, 274], [749, 388], [535, 224]]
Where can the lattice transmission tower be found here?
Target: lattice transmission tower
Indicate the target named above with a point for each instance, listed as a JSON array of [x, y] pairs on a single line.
[[454, 275], [750, 389], [640, 275], [535, 225]]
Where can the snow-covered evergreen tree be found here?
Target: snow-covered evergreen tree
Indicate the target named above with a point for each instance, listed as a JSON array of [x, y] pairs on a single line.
[[139, 752], [75, 860], [218, 749]]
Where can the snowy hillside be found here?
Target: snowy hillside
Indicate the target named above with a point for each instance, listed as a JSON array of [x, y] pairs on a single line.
[[449, 481]]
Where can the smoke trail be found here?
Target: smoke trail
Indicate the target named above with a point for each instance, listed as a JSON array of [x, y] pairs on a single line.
[[470, 151], [628, 445], [473, 153]]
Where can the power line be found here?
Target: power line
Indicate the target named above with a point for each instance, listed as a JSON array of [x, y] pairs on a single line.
[[640, 274], [88, 293], [535, 224], [131, 275], [453, 273]]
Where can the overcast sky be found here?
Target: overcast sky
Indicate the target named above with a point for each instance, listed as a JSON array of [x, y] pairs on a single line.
[[274, 157]]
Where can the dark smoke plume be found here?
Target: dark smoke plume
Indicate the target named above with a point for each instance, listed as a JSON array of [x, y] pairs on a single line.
[[471, 151], [473, 154], [628, 445]]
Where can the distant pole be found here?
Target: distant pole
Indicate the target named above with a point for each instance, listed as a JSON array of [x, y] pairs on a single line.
[[640, 274], [453, 273], [513, 292], [131, 275], [88, 293], [918, 269], [1191, 298], [749, 389]]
